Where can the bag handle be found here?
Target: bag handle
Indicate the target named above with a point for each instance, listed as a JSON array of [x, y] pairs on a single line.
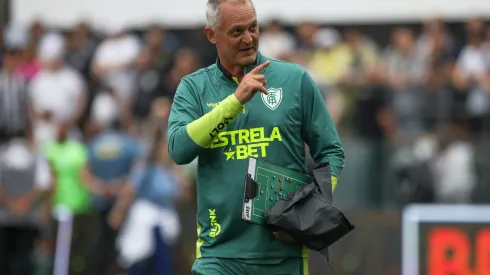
[[322, 176]]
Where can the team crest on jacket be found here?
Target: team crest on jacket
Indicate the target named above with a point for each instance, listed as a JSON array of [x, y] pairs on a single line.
[[273, 99]]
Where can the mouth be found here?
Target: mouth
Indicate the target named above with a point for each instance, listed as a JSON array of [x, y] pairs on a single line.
[[247, 50]]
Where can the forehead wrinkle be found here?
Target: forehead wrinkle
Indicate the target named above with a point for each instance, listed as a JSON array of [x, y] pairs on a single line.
[[233, 26]]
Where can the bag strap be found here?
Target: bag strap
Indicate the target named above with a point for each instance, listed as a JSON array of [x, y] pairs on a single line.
[[323, 179], [326, 253]]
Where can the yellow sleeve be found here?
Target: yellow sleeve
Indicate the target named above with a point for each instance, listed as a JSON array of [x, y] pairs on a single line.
[[334, 182], [205, 129]]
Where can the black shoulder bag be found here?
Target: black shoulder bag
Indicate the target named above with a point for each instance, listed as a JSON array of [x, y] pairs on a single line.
[[309, 215]]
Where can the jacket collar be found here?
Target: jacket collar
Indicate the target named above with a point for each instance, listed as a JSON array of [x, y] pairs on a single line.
[[224, 74]]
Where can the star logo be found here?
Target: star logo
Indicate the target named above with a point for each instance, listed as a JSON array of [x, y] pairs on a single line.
[[230, 154]]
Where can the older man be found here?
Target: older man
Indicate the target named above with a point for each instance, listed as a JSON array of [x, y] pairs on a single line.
[[246, 105]]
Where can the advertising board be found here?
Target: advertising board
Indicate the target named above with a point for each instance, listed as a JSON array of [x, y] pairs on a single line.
[[446, 239]]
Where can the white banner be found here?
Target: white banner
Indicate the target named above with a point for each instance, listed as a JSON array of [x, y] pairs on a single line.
[[190, 13]]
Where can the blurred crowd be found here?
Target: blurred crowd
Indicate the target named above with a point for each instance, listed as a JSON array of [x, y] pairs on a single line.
[[83, 113]]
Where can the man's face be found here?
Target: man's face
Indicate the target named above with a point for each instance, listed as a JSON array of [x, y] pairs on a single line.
[[403, 39], [237, 36]]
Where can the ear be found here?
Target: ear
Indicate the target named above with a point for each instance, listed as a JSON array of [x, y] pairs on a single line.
[[210, 34]]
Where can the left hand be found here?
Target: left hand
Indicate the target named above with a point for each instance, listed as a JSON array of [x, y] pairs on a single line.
[[285, 237]]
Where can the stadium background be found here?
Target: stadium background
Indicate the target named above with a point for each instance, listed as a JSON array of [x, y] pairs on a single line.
[[411, 126]]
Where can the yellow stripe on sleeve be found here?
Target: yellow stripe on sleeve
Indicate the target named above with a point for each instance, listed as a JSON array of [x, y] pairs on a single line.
[[205, 129], [334, 182]]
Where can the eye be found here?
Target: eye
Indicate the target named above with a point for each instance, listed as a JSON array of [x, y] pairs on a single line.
[[253, 27], [236, 32]]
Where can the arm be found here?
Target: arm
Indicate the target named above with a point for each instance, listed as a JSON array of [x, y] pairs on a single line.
[[90, 181], [319, 131], [121, 207], [125, 199], [188, 131], [118, 185]]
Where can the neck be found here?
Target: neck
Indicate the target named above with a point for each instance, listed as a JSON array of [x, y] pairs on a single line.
[[234, 70]]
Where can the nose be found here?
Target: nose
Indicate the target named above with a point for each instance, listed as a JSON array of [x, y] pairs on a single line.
[[247, 37]]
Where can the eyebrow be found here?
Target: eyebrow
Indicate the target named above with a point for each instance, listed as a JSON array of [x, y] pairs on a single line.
[[243, 26]]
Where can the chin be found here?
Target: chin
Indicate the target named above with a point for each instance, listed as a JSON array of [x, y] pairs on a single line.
[[248, 59]]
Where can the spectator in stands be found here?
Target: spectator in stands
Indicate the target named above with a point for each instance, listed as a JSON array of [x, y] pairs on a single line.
[[440, 103], [162, 46], [360, 57], [275, 41], [305, 33], [80, 48], [57, 93], [471, 75], [406, 72], [105, 108], [453, 165], [361, 106], [185, 62], [157, 117], [29, 65], [328, 62], [149, 85], [71, 201], [113, 59], [24, 183], [20, 38], [14, 105], [81, 42], [157, 185], [111, 156], [433, 31], [474, 26], [37, 31]]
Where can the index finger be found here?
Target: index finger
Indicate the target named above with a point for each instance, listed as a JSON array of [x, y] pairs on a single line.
[[260, 67]]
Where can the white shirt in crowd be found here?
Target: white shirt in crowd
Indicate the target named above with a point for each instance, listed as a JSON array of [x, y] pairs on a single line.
[[275, 44], [57, 91], [18, 157], [118, 52], [473, 61], [454, 174]]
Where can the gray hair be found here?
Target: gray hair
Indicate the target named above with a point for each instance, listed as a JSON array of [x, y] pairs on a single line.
[[213, 11]]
